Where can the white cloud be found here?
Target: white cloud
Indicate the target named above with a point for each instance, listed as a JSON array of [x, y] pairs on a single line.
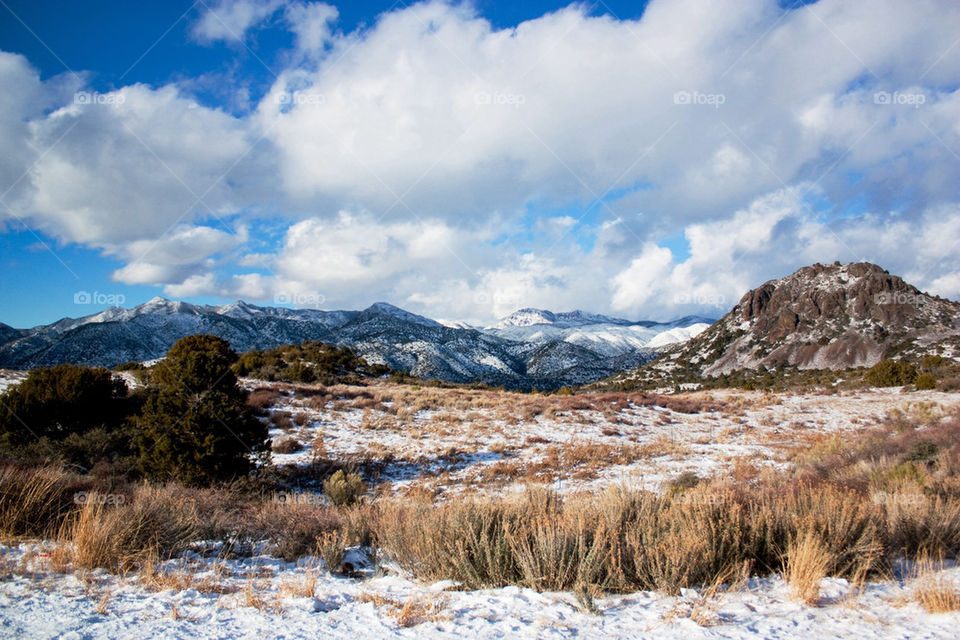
[[229, 20], [311, 24], [435, 108], [175, 256], [776, 235]]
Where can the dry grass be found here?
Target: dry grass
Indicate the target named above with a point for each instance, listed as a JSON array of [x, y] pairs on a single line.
[[117, 536], [184, 576], [286, 445], [630, 540], [35, 501], [806, 564], [935, 592], [301, 586], [410, 613], [103, 604], [331, 547]]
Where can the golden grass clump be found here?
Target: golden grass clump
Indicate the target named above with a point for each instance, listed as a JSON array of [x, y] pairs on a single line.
[[934, 591], [806, 564], [35, 501], [112, 535]]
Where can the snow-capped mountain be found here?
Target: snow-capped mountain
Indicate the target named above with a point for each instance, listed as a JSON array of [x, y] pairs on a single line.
[[528, 348], [602, 334]]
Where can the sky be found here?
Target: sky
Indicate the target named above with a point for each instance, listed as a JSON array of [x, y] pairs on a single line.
[[463, 160]]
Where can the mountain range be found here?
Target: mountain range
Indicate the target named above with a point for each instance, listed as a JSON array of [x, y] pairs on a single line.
[[529, 348]]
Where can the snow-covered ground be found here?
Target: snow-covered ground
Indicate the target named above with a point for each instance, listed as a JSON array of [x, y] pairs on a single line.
[[266, 598], [497, 448], [9, 378], [468, 441]]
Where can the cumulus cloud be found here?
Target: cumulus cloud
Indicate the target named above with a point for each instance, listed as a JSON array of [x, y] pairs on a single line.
[[438, 109], [775, 235]]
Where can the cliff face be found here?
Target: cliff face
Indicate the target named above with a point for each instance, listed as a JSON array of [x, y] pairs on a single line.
[[826, 317]]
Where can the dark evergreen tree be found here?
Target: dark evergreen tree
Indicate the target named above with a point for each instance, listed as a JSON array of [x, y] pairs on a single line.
[[53, 403], [195, 426]]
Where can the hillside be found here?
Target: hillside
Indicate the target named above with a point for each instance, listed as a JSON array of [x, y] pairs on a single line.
[[822, 317]]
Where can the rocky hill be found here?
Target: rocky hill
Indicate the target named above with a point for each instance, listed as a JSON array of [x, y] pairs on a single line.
[[822, 317]]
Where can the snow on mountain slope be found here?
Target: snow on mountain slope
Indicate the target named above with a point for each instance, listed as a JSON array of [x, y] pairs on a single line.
[[529, 348], [602, 334], [678, 334]]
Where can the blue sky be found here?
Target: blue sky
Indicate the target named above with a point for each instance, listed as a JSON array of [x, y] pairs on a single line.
[[463, 160]]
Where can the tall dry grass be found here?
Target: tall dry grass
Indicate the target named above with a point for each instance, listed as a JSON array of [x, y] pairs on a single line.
[[114, 536], [35, 501], [628, 540]]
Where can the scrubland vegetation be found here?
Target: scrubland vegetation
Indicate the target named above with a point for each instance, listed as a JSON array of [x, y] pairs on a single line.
[[925, 373], [124, 480], [849, 508]]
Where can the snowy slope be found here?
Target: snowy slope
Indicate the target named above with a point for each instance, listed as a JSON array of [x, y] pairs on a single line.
[[529, 348], [602, 334]]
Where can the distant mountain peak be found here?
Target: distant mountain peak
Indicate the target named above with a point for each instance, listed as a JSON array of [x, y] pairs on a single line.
[[387, 309], [529, 316]]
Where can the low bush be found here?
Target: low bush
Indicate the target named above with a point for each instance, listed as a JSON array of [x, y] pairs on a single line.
[[344, 488], [890, 373]]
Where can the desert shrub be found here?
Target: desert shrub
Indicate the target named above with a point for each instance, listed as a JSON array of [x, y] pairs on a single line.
[[344, 488], [949, 384], [684, 481], [286, 445], [925, 381], [262, 399], [890, 373], [196, 427], [308, 362], [292, 523], [463, 541], [53, 403]]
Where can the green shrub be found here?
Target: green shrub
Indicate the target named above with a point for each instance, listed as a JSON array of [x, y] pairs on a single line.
[[925, 381], [344, 488], [308, 362], [891, 373], [196, 427], [63, 403]]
